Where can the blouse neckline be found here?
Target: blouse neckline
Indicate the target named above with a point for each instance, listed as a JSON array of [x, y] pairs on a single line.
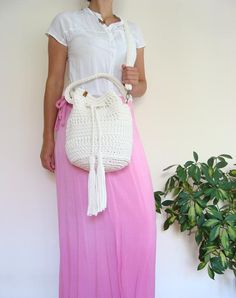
[[94, 13]]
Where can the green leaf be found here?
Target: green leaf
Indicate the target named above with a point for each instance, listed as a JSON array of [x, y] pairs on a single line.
[[167, 184], [210, 223], [183, 200], [184, 226], [181, 173], [172, 219], [223, 259], [191, 213], [208, 191], [176, 191], [210, 248], [210, 171], [224, 193], [198, 236], [157, 199], [224, 238], [188, 163], [201, 265], [200, 220], [191, 170], [232, 173], [182, 218], [214, 211], [159, 193], [210, 161], [217, 175], [232, 233], [205, 170], [184, 208], [197, 193], [172, 183], [214, 233], [166, 224], [169, 210], [198, 209], [231, 218], [195, 155], [198, 174], [218, 194], [221, 164], [226, 156], [167, 202], [168, 167], [210, 272], [217, 265], [194, 172], [201, 202], [207, 258]]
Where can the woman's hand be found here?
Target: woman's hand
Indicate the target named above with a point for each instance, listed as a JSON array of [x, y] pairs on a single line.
[[47, 155], [136, 75], [130, 75]]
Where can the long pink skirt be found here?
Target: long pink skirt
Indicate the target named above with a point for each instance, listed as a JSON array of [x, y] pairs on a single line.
[[111, 255]]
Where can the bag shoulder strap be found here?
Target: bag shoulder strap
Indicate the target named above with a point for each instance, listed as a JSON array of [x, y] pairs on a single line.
[[129, 42]]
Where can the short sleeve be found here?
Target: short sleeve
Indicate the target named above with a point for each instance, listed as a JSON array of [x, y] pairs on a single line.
[[138, 35], [57, 30]]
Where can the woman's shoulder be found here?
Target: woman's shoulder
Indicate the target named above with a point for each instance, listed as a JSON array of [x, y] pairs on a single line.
[[63, 23], [134, 26], [68, 17], [137, 32]]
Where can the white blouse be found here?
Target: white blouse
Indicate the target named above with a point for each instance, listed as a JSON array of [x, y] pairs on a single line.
[[93, 47]]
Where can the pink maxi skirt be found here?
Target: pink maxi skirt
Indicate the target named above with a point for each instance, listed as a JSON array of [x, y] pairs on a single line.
[[113, 254]]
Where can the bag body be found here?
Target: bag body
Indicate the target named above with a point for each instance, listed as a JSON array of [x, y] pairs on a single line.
[[99, 127], [99, 132]]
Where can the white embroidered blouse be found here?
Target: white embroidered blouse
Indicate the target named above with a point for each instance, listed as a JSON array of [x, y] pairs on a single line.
[[93, 47]]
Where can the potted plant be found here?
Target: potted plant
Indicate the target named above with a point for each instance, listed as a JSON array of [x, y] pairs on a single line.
[[203, 201]]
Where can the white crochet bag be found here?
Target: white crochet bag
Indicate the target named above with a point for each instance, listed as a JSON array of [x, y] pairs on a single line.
[[99, 133]]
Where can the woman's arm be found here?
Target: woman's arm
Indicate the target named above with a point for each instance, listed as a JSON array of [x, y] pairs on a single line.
[[57, 56], [136, 75]]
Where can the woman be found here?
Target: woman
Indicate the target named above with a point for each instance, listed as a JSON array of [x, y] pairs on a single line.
[[112, 254]]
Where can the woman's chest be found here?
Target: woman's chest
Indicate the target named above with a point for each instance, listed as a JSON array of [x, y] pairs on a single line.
[[102, 45]]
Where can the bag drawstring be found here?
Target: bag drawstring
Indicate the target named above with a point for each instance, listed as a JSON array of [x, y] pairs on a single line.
[[101, 179], [97, 196]]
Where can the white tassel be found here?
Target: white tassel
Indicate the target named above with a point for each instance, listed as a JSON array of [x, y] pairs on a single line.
[[101, 184], [92, 188]]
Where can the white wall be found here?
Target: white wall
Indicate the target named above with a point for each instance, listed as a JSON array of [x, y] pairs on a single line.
[[189, 105]]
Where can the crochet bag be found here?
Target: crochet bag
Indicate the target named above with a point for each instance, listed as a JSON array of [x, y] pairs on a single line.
[[99, 133]]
